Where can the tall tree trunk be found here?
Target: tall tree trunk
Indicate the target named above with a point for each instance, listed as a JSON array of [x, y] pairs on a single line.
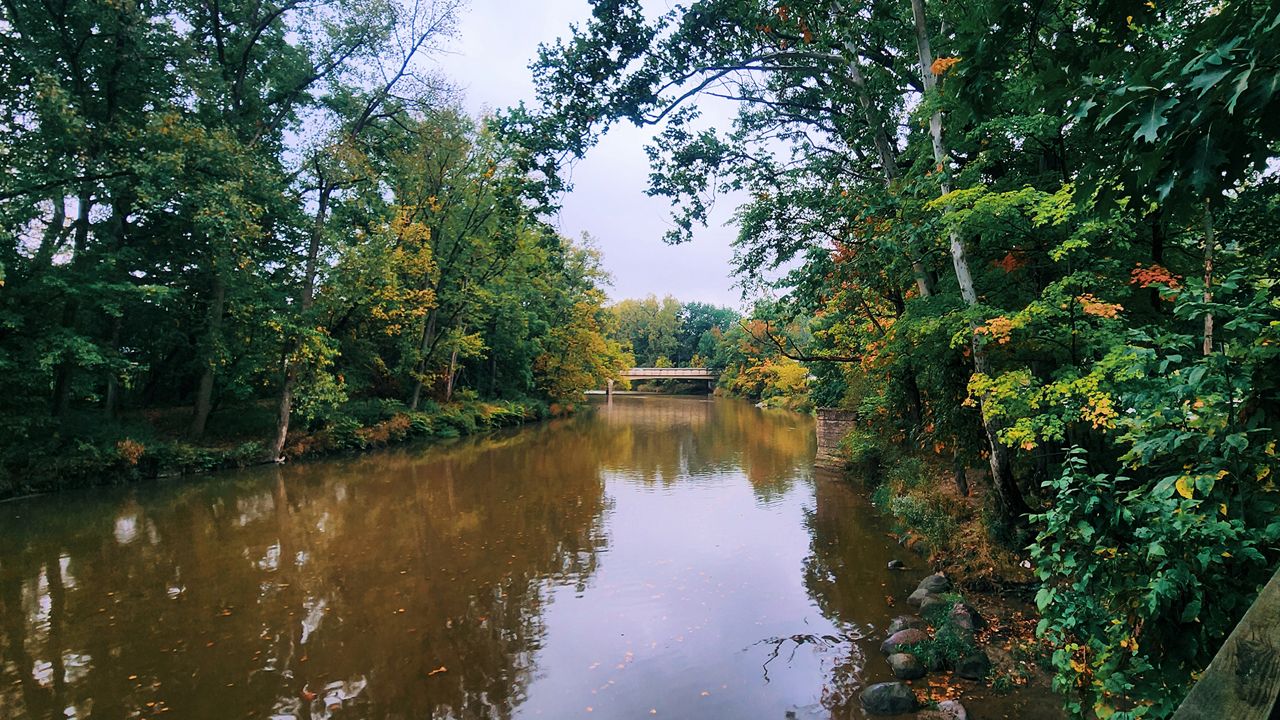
[[915, 403], [428, 335], [493, 370], [213, 337], [284, 410], [958, 471], [111, 405], [1008, 496], [71, 310], [285, 406], [453, 374], [121, 203], [1208, 276]]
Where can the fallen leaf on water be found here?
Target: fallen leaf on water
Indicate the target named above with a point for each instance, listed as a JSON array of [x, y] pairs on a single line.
[[437, 671]]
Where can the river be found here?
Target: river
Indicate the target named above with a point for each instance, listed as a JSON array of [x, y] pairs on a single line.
[[658, 557]]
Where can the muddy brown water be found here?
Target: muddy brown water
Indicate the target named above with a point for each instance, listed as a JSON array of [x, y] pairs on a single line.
[[659, 557]]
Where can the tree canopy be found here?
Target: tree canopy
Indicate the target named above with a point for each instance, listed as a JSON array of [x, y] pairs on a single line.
[[1035, 234], [236, 223]]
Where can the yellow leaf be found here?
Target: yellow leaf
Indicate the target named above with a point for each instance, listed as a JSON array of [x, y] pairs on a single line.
[[1186, 488], [1222, 508]]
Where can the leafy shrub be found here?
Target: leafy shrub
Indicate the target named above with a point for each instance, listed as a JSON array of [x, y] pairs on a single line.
[[930, 519], [420, 423], [1147, 564], [906, 473], [950, 643], [862, 448], [370, 412], [343, 433], [1140, 587]]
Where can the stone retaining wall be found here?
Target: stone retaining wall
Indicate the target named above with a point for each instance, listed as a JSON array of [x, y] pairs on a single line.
[[833, 425]]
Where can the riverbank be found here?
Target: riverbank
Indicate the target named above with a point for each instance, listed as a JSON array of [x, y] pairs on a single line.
[[149, 446], [947, 650], [976, 618]]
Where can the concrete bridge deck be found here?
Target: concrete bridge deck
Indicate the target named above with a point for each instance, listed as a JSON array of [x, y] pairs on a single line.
[[647, 373], [691, 373]]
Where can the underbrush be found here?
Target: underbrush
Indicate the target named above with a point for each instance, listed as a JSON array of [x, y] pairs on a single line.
[[950, 643], [918, 491], [85, 452]]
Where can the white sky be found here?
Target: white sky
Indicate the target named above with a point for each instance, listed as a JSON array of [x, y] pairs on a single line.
[[497, 39]]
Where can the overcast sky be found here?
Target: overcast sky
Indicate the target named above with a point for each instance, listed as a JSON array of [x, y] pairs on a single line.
[[490, 59]]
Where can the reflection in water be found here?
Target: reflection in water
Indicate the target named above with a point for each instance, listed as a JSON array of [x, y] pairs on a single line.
[[663, 555]]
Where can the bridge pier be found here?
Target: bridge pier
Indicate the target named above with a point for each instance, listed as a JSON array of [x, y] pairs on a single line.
[[608, 391]]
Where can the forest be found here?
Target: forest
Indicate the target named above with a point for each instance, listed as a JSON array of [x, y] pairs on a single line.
[[1037, 239], [1031, 246], [236, 232]]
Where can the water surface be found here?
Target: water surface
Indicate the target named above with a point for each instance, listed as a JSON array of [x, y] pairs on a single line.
[[670, 557]]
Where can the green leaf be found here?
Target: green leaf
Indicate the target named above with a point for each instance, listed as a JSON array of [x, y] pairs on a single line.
[[1241, 84], [1205, 81], [1152, 118]]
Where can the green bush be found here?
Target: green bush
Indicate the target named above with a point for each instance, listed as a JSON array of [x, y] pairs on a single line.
[[950, 643], [420, 423], [343, 433], [461, 419], [1141, 585], [862, 448], [935, 523], [906, 473], [882, 496], [369, 412]]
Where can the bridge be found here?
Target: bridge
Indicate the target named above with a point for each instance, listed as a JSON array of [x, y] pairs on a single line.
[[690, 373], [650, 373]]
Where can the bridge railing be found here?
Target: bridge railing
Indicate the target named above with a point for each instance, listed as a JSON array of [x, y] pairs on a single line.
[[669, 372]]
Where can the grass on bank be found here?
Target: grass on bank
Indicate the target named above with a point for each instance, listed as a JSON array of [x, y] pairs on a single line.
[[918, 491]]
